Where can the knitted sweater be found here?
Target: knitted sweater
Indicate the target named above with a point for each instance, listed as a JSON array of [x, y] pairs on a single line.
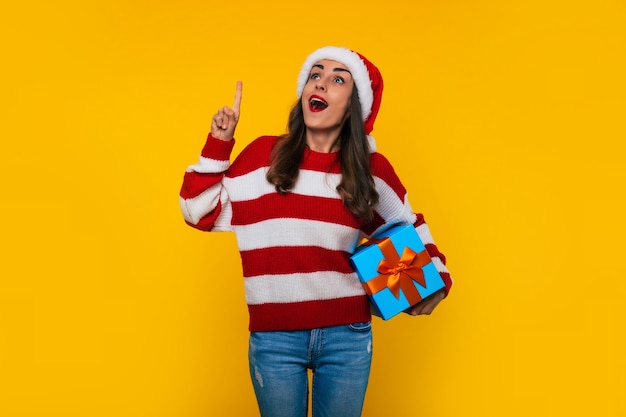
[[294, 247]]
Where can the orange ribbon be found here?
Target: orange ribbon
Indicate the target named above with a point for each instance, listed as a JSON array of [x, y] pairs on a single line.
[[398, 272]]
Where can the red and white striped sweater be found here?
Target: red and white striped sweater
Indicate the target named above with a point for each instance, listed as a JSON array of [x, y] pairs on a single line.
[[294, 247]]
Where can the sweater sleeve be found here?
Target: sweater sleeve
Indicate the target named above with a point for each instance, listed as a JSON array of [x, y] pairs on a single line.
[[394, 208], [439, 259], [203, 199]]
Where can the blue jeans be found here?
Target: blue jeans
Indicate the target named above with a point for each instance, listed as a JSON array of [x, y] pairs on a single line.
[[339, 357]]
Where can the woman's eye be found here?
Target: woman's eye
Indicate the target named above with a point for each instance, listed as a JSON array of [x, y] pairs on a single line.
[[339, 80], [314, 77]]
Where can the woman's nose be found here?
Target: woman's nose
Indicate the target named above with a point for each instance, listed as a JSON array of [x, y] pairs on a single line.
[[320, 85]]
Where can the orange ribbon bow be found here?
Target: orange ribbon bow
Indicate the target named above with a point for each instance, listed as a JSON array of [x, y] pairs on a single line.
[[398, 272]]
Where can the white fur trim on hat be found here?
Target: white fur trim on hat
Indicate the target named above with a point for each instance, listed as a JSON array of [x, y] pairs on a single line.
[[357, 68], [371, 143]]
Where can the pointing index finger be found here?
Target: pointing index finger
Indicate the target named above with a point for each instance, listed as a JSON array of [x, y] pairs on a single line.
[[237, 103]]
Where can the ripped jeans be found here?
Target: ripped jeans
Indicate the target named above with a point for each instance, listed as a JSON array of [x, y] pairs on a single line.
[[339, 357]]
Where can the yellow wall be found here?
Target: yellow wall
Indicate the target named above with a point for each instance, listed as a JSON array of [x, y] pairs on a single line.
[[504, 119]]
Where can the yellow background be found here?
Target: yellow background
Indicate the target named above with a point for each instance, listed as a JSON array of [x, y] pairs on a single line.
[[505, 121]]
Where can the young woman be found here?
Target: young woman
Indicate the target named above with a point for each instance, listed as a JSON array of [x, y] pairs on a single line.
[[299, 203]]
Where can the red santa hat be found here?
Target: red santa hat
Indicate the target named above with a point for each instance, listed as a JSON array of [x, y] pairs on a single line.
[[367, 79]]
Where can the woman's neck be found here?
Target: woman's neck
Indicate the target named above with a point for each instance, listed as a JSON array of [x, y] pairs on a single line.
[[324, 142]]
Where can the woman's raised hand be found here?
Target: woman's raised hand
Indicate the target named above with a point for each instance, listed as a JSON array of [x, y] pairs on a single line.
[[226, 119]]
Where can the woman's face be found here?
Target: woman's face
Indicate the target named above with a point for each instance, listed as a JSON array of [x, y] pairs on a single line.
[[326, 96]]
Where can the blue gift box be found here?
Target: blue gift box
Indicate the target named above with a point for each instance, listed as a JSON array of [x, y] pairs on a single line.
[[396, 271]]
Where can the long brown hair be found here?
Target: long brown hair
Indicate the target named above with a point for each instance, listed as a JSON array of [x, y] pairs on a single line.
[[356, 187]]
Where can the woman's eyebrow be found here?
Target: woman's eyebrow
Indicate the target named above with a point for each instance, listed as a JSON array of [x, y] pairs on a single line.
[[320, 66]]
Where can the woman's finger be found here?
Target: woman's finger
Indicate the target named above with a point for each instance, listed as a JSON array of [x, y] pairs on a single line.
[[223, 118], [238, 95], [219, 119]]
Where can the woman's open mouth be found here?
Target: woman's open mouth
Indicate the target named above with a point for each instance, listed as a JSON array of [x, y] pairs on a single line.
[[317, 104]]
